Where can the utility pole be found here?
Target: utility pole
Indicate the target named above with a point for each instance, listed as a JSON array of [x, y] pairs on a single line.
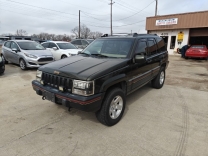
[[156, 7], [111, 25], [79, 24]]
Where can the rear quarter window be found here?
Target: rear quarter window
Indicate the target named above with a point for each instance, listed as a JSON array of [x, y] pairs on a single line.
[[161, 45], [7, 44]]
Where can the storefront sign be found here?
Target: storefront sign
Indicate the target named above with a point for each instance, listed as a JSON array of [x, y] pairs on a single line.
[[170, 21], [180, 36]]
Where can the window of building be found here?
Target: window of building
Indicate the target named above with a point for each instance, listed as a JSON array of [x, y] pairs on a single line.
[[172, 42]]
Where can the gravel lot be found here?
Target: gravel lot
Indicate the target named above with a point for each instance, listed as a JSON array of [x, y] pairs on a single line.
[[172, 121]]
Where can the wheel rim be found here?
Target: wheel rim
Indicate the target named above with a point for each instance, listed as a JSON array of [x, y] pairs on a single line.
[[162, 77], [116, 107], [22, 65]]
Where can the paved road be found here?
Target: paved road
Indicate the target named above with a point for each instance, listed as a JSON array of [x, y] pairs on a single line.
[[172, 121]]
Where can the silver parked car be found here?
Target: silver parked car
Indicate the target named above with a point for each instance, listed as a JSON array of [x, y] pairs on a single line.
[[28, 54]]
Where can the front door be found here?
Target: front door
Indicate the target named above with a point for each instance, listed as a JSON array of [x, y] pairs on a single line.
[[141, 72], [14, 55]]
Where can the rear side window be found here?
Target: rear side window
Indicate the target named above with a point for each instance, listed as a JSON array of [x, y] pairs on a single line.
[[141, 48], [161, 45], [51, 45], [45, 45], [7, 44], [152, 47], [77, 42], [84, 42]]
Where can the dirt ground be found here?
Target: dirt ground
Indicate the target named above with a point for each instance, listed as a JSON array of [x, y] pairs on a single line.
[[172, 121]]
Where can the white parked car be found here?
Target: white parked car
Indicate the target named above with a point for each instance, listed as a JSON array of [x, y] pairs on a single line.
[[61, 49]]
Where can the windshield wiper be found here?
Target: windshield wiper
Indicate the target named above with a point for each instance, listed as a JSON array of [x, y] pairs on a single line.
[[85, 54], [99, 55]]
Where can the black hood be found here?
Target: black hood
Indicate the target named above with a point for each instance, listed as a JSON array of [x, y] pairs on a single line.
[[84, 67]]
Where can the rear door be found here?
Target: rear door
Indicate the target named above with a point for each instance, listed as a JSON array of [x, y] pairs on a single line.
[[141, 72], [154, 55]]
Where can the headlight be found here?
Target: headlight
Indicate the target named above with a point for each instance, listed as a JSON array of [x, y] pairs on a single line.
[[30, 55], [85, 88], [38, 75]]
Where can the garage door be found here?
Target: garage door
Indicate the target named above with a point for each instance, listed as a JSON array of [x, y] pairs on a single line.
[[199, 36], [199, 32]]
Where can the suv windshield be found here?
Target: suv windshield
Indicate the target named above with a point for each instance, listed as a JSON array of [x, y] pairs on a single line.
[[66, 46], [116, 48], [30, 46]]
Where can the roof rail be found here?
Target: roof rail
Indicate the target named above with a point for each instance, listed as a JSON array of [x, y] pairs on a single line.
[[135, 35]]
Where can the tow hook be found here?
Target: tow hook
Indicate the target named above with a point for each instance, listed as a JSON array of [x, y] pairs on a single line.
[[43, 98]]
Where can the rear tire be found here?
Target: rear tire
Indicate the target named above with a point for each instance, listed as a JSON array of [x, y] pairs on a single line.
[[113, 107], [23, 65], [2, 70], [159, 80]]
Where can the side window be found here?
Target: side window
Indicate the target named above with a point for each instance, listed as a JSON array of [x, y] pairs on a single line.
[[141, 48], [152, 47], [45, 45], [14, 46], [77, 42], [84, 42], [51, 45], [161, 45], [7, 44]]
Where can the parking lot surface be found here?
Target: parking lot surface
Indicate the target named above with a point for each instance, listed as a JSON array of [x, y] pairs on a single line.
[[172, 121]]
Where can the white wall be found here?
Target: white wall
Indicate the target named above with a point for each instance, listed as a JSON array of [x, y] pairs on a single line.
[[170, 33]]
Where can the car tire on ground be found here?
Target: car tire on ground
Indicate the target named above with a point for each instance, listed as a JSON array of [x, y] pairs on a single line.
[[159, 80], [22, 64], [112, 108], [2, 69], [5, 61], [63, 56]]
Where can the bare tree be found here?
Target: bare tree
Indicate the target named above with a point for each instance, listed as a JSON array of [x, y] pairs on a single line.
[[95, 35], [84, 32], [21, 32]]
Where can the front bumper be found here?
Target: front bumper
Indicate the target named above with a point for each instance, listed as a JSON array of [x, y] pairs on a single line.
[[33, 63], [88, 104]]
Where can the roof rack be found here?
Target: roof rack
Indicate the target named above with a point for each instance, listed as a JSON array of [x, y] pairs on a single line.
[[128, 35]]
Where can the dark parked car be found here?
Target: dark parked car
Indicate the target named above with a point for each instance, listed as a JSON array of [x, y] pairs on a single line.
[[197, 51], [81, 43], [100, 78], [2, 66]]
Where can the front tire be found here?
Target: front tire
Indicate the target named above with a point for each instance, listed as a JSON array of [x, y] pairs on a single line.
[[5, 61], [63, 56], [23, 65], [2, 69], [159, 80], [113, 107]]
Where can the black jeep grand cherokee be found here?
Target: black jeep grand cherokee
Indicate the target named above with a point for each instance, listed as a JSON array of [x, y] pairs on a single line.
[[100, 77]]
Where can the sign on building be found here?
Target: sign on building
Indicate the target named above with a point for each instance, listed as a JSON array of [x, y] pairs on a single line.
[[180, 36], [170, 21]]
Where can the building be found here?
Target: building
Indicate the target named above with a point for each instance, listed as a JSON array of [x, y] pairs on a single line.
[[180, 29]]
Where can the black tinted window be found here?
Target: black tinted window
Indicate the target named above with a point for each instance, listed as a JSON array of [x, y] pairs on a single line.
[[7, 44], [14, 46], [152, 47], [84, 42], [45, 45], [141, 47], [77, 42], [161, 45], [51, 45]]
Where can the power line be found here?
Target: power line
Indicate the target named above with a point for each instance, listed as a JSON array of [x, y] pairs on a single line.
[[135, 13]]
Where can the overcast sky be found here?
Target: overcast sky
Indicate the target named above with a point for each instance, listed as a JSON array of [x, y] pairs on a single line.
[[61, 16]]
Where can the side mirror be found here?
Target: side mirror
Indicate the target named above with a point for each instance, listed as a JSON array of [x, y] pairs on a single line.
[[15, 50], [55, 48], [139, 58]]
